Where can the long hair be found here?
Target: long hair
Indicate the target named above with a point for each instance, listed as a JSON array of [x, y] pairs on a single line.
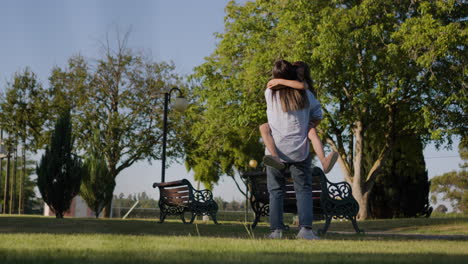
[[291, 99], [303, 74]]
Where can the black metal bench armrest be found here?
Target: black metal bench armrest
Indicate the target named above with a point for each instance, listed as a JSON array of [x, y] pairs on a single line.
[[339, 190], [202, 195]]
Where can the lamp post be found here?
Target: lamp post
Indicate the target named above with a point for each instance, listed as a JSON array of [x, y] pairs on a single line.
[[180, 104], [252, 164]]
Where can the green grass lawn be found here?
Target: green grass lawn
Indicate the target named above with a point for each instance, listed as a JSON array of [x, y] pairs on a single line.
[[49, 240]]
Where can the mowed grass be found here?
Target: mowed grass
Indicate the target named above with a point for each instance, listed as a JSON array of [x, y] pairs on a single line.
[[48, 240], [427, 226], [87, 248]]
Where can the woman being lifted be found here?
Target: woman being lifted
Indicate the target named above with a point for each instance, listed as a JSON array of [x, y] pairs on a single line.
[[304, 82]]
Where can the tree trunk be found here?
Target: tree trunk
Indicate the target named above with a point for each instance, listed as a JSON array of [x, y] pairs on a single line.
[[362, 198], [359, 188], [1, 177], [363, 207], [1, 166], [13, 182], [58, 215], [107, 209], [96, 211], [21, 183], [7, 184]]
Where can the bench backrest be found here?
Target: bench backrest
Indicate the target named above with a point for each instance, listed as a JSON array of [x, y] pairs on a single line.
[[177, 193], [258, 188]]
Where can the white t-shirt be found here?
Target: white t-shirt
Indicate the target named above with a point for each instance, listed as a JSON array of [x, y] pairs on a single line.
[[289, 129]]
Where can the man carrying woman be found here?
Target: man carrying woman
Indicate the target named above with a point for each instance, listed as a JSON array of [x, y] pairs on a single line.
[[289, 112]]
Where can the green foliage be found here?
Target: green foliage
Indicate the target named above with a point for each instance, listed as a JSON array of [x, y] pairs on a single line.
[[97, 184], [454, 185], [23, 110], [368, 60], [441, 209], [59, 170], [401, 190], [121, 96], [454, 188]]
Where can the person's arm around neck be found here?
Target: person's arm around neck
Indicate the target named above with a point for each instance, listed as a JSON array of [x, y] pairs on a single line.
[[284, 82]]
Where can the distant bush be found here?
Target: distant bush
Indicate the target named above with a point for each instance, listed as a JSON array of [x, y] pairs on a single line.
[[448, 215]]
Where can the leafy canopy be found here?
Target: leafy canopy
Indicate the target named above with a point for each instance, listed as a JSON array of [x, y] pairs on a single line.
[[368, 59]]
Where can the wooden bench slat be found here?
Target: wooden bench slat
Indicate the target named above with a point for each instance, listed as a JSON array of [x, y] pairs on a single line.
[[178, 189], [176, 201], [169, 184], [176, 194]]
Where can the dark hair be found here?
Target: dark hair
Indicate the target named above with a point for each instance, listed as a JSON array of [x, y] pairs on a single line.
[[303, 74], [291, 99], [283, 69]]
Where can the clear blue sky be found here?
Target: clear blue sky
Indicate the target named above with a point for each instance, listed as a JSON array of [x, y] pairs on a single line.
[[43, 34]]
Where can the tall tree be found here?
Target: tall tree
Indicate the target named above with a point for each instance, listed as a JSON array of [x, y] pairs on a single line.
[[59, 170], [23, 112], [402, 189], [453, 186], [121, 96], [97, 185], [368, 58]]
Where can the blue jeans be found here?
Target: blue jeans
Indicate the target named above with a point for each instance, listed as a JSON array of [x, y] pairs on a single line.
[[301, 173]]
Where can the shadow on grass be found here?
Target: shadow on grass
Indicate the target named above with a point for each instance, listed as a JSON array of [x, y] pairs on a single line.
[[47, 225], [381, 225], [204, 256]]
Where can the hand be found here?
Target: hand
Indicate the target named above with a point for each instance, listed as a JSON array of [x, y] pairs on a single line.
[[272, 83]]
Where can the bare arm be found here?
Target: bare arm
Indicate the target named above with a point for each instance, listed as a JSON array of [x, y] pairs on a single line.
[[290, 83]]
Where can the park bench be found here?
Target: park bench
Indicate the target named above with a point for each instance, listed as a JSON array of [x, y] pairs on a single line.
[[179, 197], [330, 200]]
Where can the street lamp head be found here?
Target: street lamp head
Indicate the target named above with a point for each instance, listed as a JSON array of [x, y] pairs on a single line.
[[181, 104], [253, 163]]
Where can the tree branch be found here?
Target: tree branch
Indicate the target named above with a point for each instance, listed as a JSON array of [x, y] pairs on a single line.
[[238, 186], [389, 141]]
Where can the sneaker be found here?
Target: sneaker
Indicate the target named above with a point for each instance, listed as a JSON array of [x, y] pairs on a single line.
[[307, 233], [276, 234], [330, 162], [273, 161]]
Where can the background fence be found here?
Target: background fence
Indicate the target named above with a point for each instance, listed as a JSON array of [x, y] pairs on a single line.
[[153, 213]]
